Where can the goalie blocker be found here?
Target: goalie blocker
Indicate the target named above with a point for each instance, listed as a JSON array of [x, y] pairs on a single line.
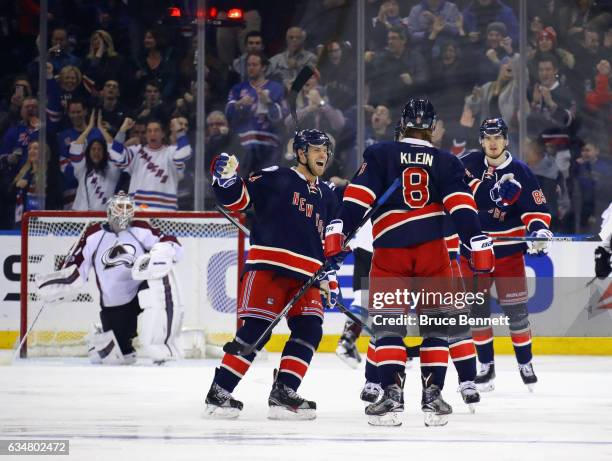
[[133, 264]]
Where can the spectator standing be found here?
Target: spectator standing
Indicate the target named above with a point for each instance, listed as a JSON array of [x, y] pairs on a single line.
[[286, 65], [96, 174], [155, 168], [255, 108]]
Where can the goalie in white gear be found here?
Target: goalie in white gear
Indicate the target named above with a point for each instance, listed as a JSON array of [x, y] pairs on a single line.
[[133, 265]]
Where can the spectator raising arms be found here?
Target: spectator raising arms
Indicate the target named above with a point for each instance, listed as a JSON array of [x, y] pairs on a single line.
[[155, 168], [97, 175], [254, 109]]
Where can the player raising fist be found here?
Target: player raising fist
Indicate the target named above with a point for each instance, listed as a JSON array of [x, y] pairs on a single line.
[[292, 207]]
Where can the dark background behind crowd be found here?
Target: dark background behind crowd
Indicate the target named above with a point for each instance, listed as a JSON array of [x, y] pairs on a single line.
[[137, 59]]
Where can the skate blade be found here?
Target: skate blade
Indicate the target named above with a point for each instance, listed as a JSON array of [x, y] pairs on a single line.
[[350, 361], [388, 419], [215, 412], [433, 419], [283, 414], [472, 407], [486, 387]]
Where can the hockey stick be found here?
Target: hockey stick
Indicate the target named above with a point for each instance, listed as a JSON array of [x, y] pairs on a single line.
[[297, 85], [239, 348], [569, 238], [231, 219], [246, 232]]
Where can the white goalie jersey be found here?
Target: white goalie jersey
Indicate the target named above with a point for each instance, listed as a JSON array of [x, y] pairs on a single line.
[[112, 257]]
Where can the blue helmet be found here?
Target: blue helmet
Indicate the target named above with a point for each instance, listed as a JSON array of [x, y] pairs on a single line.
[[418, 113], [303, 138], [492, 126]]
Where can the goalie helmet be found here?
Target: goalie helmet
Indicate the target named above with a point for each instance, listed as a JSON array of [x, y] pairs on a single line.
[[120, 211], [418, 113]]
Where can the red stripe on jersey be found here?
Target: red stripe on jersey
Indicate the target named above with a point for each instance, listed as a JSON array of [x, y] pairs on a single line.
[[459, 200], [474, 184], [433, 355], [371, 353], [482, 335], [396, 218], [239, 364], [522, 337], [528, 218], [359, 194], [242, 202], [282, 258], [294, 365], [452, 243], [152, 198], [462, 350], [390, 353]]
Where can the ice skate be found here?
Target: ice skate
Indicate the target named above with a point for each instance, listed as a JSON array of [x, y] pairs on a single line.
[[528, 376], [348, 353], [371, 393], [286, 404], [470, 394], [436, 410], [220, 404], [485, 380], [347, 348], [388, 409]]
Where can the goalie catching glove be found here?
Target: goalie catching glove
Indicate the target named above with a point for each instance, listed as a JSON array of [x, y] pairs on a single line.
[[506, 191], [57, 286], [224, 169]]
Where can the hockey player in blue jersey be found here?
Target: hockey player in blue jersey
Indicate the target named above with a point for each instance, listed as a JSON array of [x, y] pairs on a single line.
[[409, 242], [510, 204], [292, 207]]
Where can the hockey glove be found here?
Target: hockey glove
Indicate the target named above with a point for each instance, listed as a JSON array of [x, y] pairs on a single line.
[[223, 169], [603, 264], [330, 290], [506, 191], [539, 248], [482, 258], [334, 244]]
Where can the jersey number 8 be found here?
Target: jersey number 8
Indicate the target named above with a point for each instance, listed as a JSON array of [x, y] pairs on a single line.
[[415, 182]]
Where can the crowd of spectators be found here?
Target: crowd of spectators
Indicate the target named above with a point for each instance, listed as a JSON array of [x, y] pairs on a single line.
[[128, 69]]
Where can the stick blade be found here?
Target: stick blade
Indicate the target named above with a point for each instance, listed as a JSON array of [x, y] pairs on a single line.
[[235, 348]]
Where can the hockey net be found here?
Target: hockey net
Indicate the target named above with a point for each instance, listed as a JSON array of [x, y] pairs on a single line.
[[208, 274]]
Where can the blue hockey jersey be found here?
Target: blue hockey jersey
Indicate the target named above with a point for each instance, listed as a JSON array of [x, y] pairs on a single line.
[[527, 215], [432, 182], [290, 218]]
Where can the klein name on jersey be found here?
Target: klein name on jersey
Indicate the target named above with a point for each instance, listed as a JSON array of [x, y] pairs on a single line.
[[421, 158]]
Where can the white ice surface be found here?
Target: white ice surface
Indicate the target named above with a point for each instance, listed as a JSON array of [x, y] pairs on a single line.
[[154, 413]]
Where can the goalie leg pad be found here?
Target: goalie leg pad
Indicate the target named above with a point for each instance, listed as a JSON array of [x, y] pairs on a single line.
[[104, 349], [161, 320]]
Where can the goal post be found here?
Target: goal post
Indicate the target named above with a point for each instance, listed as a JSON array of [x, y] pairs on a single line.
[[208, 275]]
